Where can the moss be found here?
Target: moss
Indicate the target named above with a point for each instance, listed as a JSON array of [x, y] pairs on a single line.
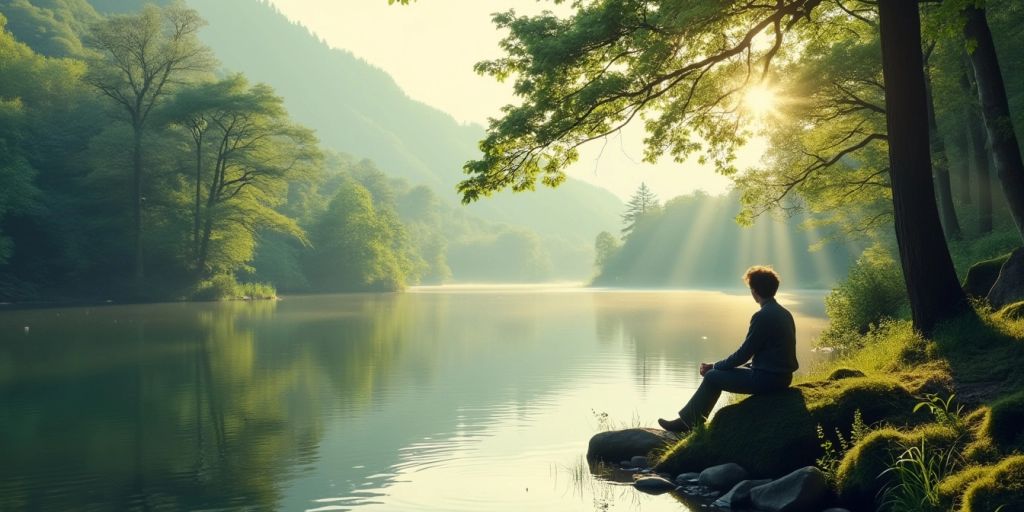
[[784, 436], [1005, 423], [1002, 488], [982, 275], [952, 488], [861, 475]]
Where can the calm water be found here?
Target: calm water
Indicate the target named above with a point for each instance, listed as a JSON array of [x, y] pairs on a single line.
[[440, 399]]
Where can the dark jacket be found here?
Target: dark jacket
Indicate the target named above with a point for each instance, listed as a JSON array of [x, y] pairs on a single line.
[[771, 342]]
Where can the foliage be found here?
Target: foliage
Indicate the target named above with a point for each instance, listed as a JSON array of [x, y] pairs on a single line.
[[872, 293], [218, 287], [352, 247], [946, 411], [832, 453], [605, 247], [917, 473]]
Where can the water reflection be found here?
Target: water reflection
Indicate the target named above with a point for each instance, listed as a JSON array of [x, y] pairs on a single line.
[[436, 400]]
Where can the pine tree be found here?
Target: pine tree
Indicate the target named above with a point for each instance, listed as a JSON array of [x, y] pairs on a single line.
[[642, 203]]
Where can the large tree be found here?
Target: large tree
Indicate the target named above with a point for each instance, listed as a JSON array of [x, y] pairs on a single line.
[[138, 61], [683, 68], [246, 152]]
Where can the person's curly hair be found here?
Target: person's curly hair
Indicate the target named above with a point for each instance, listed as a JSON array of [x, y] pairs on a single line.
[[763, 280]]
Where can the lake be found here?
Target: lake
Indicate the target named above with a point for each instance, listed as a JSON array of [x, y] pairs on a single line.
[[443, 398]]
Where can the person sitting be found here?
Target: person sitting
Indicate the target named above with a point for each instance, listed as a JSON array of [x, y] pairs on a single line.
[[770, 343]]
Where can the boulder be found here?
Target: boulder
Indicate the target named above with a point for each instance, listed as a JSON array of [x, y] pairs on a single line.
[[1009, 286], [723, 476], [687, 478], [622, 445], [739, 495], [774, 434], [802, 490], [982, 275], [654, 484]]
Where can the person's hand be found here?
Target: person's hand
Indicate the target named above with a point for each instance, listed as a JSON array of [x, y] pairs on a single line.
[[704, 367]]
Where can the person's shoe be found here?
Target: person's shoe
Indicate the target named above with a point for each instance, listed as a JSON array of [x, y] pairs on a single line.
[[677, 425]]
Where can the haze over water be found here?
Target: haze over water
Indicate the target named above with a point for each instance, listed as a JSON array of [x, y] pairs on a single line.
[[447, 398]]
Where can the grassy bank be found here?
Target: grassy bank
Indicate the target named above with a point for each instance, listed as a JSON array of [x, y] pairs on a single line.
[[878, 419]]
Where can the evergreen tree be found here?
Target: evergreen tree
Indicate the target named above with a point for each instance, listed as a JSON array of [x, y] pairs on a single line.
[[640, 204]]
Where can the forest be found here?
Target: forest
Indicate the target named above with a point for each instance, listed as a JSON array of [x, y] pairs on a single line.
[[138, 167]]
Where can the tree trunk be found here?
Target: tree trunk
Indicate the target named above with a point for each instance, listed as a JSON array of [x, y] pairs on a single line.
[[978, 143], [138, 273], [935, 295], [995, 111], [963, 144], [942, 183], [982, 174], [198, 203]]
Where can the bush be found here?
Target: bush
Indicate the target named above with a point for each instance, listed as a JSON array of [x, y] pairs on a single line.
[[872, 292], [258, 291], [218, 287]]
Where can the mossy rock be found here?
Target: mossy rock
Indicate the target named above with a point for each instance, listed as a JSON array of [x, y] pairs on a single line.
[[952, 488], [1000, 489], [982, 275], [844, 373], [773, 435], [1005, 423], [861, 474]]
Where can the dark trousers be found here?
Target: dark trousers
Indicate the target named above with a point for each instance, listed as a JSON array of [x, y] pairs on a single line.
[[735, 380]]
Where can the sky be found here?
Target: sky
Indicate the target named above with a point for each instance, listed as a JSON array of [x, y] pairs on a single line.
[[417, 42]]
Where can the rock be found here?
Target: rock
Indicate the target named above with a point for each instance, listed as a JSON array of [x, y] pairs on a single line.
[[739, 495], [654, 484], [982, 275], [844, 373], [1009, 286], [638, 462], [618, 445], [723, 476], [698, 491], [687, 478], [774, 434], [802, 490]]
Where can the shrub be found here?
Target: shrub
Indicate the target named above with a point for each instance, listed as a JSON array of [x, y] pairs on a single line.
[[258, 291], [218, 287], [872, 292]]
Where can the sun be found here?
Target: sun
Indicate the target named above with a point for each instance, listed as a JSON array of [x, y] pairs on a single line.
[[760, 101]]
